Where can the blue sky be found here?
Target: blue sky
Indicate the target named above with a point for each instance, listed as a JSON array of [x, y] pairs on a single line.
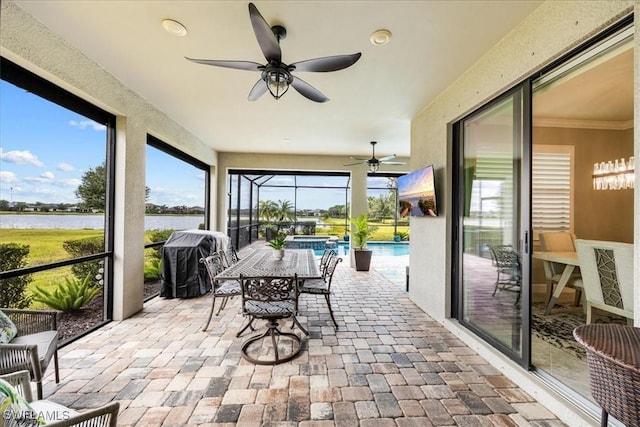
[[45, 149]]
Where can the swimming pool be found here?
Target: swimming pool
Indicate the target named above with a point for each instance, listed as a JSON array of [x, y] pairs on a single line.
[[378, 248]]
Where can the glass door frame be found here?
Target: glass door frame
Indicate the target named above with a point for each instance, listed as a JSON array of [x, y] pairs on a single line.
[[521, 92]]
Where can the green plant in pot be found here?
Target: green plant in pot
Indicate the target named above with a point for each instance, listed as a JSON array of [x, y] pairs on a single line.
[[360, 233], [278, 243]]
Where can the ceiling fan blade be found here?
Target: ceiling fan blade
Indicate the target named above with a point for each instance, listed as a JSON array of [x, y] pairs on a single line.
[[358, 158], [238, 65], [259, 89], [308, 91], [391, 157], [266, 39], [357, 163], [328, 63], [392, 163]]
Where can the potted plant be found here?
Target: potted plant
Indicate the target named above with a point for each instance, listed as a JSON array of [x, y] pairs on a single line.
[[360, 236], [278, 243], [400, 236]]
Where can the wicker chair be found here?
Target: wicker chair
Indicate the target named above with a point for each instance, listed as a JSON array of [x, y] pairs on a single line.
[[613, 357], [223, 290], [35, 344], [323, 286], [56, 414], [271, 299]]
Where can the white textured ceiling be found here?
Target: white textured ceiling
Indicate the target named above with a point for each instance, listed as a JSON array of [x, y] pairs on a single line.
[[433, 43]]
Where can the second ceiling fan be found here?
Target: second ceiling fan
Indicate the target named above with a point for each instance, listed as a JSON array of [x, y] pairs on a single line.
[[374, 163], [276, 75]]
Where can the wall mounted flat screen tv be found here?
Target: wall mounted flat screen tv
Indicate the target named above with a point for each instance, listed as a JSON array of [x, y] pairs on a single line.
[[417, 193]]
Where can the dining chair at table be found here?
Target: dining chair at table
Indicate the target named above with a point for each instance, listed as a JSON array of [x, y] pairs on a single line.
[[607, 276], [223, 290], [326, 255], [322, 286], [272, 299], [506, 260], [560, 241], [229, 257]]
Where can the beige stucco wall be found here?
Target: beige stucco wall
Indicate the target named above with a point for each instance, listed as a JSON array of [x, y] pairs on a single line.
[[31, 45], [549, 32]]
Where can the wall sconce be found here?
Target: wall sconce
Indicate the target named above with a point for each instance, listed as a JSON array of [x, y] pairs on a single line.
[[614, 175]]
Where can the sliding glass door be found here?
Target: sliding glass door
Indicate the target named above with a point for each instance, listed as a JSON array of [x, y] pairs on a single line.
[[493, 291]]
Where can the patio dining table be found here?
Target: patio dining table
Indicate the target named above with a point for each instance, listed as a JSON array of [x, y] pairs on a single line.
[[261, 262]]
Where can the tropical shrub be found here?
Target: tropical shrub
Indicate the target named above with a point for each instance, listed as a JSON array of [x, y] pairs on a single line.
[[83, 247], [13, 291], [152, 268], [160, 236], [69, 296]]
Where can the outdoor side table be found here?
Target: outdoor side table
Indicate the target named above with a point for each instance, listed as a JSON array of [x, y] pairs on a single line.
[[613, 357]]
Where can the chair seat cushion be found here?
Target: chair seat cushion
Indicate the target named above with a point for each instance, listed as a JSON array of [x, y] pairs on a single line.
[[314, 286], [228, 288], [270, 308], [46, 341], [15, 408], [51, 411], [8, 329]]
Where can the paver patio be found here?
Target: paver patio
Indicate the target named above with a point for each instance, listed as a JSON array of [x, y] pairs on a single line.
[[389, 364]]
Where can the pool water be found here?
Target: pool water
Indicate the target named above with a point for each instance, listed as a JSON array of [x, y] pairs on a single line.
[[378, 248]]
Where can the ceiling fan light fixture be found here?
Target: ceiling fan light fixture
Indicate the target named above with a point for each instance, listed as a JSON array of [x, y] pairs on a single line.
[[278, 81], [380, 37], [174, 27], [373, 167]]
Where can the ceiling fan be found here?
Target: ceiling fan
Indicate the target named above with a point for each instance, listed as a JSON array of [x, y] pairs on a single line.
[[276, 75], [373, 163]]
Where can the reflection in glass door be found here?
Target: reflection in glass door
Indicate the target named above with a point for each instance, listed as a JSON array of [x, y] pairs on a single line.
[[491, 259]]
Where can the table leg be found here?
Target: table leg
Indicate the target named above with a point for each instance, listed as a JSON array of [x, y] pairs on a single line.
[[564, 279]]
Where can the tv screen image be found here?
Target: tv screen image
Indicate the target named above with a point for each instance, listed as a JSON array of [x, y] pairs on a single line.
[[417, 193]]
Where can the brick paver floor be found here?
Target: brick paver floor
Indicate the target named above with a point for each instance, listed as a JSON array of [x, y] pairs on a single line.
[[388, 364]]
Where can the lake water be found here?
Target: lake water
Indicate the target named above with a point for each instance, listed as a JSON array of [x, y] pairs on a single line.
[[49, 221]]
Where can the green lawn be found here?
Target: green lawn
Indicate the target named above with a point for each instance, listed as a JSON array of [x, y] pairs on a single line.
[[45, 246], [384, 231]]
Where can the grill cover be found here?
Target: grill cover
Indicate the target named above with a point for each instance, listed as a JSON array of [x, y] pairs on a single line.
[[183, 276]]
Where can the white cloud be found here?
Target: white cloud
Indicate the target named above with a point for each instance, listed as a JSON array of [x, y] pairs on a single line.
[[73, 182], [8, 177], [20, 157], [66, 167], [83, 124], [47, 176]]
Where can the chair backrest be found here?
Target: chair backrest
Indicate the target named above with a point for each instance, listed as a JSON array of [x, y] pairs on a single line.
[[214, 265], [262, 289], [607, 272], [326, 255], [504, 256], [229, 257], [557, 241], [331, 268]]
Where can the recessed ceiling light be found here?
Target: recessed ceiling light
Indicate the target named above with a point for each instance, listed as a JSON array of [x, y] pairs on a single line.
[[380, 37], [174, 27]]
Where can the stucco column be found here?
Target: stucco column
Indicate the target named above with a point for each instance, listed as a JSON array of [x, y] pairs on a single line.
[[128, 258], [358, 203]]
